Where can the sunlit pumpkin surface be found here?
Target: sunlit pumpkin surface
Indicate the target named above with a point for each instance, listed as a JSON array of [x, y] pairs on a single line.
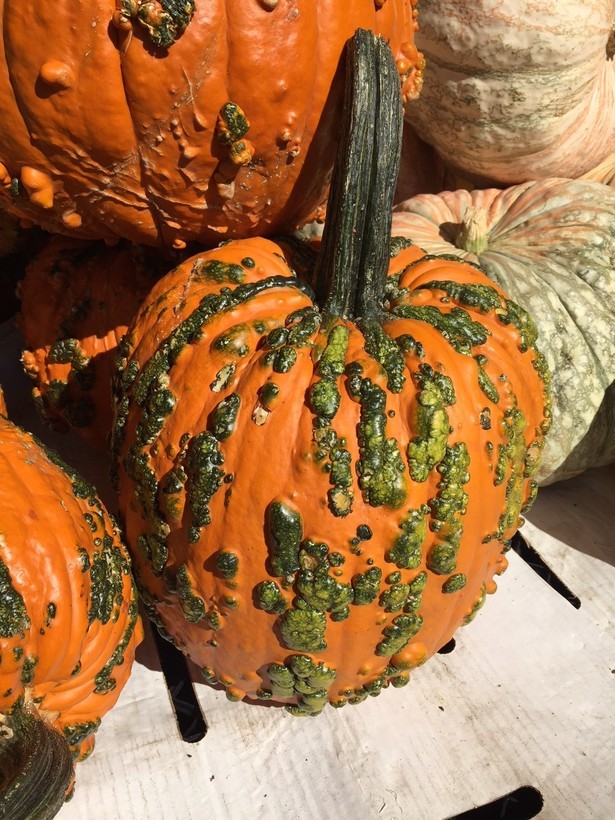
[[517, 91], [167, 123], [68, 612]]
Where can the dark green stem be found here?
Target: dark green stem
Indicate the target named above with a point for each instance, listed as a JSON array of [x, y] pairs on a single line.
[[352, 265], [375, 252], [36, 767]]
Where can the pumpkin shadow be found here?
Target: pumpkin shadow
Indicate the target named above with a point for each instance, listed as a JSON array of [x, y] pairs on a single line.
[[580, 513], [448, 232]]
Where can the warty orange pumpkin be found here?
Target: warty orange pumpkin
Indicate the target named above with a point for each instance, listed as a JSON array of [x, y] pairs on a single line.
[[77, 300], [69, 623], [316, 497], [186, 121]]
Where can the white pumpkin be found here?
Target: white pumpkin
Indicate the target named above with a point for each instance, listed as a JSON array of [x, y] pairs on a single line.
[[551, 246], [516, 90]]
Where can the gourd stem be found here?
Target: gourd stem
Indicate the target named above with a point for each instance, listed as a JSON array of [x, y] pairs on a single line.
[[353, 261], [36, 767], [375, 252], [473, 235], [340, 252]]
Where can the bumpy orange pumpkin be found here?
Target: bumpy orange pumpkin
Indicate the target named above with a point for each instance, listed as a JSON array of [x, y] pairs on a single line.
[[69, 622], [169, 122], [317, 497], [77, 299]]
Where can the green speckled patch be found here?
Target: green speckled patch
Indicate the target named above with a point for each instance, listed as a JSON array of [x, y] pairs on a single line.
[[68, 351], [301, 677], [286, 532], [510, 467], [160, 403], [398, 244], [224, 416], [192, 605], [303, 628], [427, 448], [406, 551], [456, 326], [107, 574], [366, 586], [204, 476], [269, 597], [27, 669], [478, 603], [213, 270], [164, 21], [386, 352], [394, 598], [232, 124], [471, 294], [398, 634], [448, 508], [14, 618], [454, 583], [321, 591], [484, 382], [103, 681], [76, 733], [227, 564], [381, 467]]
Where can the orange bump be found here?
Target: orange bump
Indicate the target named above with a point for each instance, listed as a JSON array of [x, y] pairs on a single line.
[[39, 186], [57, 73], [71, 219]]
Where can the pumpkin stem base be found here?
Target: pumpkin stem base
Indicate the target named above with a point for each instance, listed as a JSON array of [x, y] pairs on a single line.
[[36, 767], [473, 235]]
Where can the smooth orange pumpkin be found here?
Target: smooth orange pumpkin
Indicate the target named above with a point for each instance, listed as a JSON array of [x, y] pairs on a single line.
[[69, 622], [317, 496], [195, 121], [77, 300]]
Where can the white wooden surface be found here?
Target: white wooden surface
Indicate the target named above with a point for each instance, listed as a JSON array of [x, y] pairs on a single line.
[[527, 698]]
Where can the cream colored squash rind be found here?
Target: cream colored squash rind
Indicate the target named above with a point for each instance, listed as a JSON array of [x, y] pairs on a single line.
[[516, 90]]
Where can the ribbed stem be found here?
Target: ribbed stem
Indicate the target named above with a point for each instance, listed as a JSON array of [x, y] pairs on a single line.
[[353, 261], [36, 767], [375, 252], [473, 235]]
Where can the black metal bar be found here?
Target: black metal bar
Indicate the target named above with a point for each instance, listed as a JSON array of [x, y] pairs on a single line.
[[521, 804], [541, 568], [190, 719]]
